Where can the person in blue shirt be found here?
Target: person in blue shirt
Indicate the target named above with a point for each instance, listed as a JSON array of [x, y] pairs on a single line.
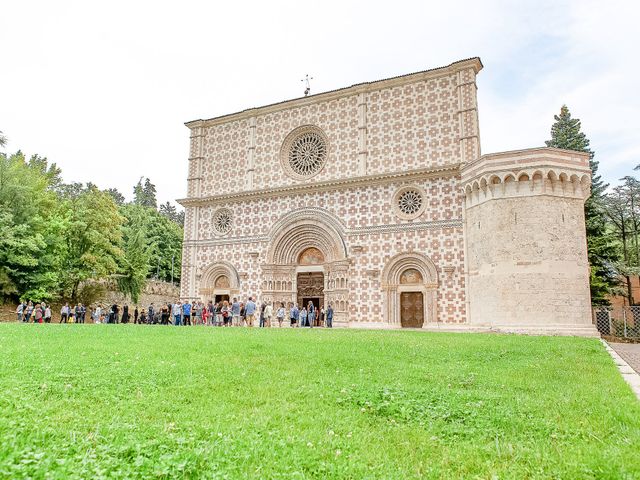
[[293, 314], [250, 312], [303, 317], [330, 316], [235, 313], [186, 313]]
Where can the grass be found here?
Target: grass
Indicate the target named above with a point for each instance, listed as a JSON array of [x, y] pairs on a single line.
[[125, 401]]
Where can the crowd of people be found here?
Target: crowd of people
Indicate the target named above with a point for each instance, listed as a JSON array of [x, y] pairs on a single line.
[[221, 314]]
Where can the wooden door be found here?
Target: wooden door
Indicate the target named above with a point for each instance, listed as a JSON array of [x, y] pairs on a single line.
[[411, 309]]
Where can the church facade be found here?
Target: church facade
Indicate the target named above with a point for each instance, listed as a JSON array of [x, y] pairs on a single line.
[[376, 199]]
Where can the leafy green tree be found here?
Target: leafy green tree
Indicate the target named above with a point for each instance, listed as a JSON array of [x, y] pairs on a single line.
[[602, 252], [134, 263], [93, 238], [29, 222]]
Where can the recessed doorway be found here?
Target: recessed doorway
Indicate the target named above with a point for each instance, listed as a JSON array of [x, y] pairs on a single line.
[[310, 288], [221, 298], [411, 309]]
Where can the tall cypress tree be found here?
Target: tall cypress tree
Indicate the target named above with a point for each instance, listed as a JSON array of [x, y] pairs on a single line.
[[566, 133]]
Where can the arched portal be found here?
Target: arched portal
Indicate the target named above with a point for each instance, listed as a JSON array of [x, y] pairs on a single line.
[[219, 282], [306, 259], [410, 283]]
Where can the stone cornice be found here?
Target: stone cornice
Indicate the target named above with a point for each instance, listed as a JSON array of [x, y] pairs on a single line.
[[329, 185], [452, 68], [455, 223], [515, 160]]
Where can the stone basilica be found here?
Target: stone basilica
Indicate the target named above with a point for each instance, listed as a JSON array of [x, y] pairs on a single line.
[[375, 198]]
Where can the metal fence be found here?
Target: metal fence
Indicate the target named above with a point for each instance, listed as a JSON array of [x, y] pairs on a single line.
[[621, 322]]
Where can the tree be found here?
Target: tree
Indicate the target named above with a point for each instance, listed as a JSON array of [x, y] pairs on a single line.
[[118, 198], [602, 252], [623, 210], [169, 211], [29, 227], [165, 237], [145, 195], [3, 139], [134, 263], [93, 238]]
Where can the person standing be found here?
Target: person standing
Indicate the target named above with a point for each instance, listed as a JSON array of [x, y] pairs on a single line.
[[225, 311], [294, 313], [303, 317], [235, 313], [329, 316], [197, 313], [211, 311], [20, 311], [262, 307], [116, 313], [37, 314], [186, 313], [77, 309], [47, 314], [312, 314], [177, 313], [151, 314], [64, 313], [136, 313], [280, 315], [242, 315], [205, 315], [268, 313], [125, 314], [250, 312], [97, 314], [29, 311]]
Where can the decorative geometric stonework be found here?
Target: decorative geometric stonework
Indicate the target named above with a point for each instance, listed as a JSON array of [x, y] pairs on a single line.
[[222, 221], [409, 202], [222, 282], [304, 152]]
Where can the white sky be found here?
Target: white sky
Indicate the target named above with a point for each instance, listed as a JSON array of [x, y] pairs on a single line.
[[103, 88]]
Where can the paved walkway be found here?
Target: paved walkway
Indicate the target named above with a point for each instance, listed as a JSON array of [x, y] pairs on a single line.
[[630, 352]]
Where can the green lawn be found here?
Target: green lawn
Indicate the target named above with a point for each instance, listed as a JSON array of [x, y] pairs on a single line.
[[125, 401]]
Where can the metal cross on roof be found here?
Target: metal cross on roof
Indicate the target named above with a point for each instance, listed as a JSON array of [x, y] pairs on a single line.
[[306, 80]]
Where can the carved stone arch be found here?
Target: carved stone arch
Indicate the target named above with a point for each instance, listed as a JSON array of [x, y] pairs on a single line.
[[394, 285], [211, 283], [301, 229]]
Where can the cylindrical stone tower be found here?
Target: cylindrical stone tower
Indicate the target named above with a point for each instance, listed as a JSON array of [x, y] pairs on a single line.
[[526, 249]]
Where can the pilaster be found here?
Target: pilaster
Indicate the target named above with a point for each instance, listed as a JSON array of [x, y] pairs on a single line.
[[468, 115], [251, 152], [362, 133]]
